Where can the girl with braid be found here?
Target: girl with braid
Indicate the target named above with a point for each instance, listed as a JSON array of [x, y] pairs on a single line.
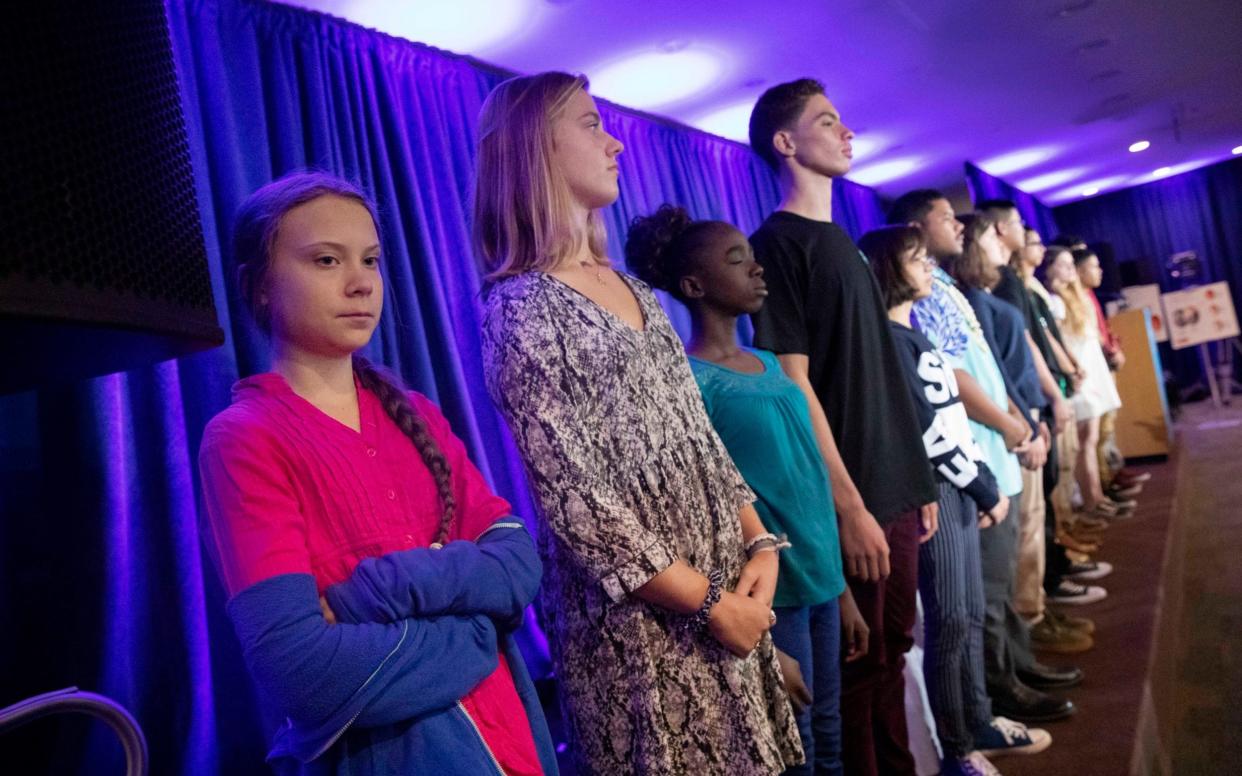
[[374, 579]]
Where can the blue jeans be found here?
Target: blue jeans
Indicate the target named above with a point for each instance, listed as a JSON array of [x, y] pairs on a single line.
[[812, 636]]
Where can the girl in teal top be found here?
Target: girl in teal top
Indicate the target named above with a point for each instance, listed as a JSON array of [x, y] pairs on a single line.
[[765, 423]]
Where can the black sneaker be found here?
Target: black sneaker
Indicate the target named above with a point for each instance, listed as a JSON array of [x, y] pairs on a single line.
[[1091, 570], [1075, 594]]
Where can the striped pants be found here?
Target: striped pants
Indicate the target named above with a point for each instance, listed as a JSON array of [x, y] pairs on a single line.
[[951, 584]]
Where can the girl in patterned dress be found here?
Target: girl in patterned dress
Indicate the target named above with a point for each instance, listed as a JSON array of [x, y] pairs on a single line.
[[658, 620]]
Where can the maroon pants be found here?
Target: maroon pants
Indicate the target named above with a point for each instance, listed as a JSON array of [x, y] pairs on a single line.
[[873, 713]]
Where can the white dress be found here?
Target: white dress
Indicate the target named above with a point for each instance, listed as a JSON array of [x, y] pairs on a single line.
[[1098, 393]]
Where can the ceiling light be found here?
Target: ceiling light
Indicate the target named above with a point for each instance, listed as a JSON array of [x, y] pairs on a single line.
[[462, 26], [1050, 180], [1162, 171], [867, 146], [1017, 160], [1090, 191], [1098, 185], [1141, 145], [883, 172], [732, 121], [1237, 150], [652, 79]]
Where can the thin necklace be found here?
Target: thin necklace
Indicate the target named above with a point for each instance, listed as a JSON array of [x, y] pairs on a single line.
[[599, 275]]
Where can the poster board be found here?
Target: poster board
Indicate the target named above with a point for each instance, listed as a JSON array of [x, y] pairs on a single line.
[[1148, 296], [1201, 314]]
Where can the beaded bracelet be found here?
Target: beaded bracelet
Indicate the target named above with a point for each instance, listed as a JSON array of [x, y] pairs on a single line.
[[766, 542], [700, 619]]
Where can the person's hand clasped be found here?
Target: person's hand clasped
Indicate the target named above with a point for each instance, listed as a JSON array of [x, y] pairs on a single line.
[[996, 514], [758, 579], [739, 622], [328, 614]]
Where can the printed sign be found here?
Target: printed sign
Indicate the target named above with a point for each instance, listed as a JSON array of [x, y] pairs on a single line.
[[1197, 315]]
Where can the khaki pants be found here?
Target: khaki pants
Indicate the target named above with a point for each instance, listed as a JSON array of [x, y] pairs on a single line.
[[1067, 461], [1028, 594]]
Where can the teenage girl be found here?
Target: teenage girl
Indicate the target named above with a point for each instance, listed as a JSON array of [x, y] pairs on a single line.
[[763, 419], [657, 597], [373, 577]]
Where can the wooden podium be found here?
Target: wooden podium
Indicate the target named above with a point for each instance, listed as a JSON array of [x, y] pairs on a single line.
[[1143, 424]]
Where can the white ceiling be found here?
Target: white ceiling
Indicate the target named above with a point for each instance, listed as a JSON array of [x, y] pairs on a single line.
[[1046, 93]]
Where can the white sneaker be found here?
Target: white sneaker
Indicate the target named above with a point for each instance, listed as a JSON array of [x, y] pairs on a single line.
[[1004, 736]]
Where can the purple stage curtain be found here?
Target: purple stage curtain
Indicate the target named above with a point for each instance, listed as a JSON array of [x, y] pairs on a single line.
[[106, 572], [1198, 211], [1035, 213]]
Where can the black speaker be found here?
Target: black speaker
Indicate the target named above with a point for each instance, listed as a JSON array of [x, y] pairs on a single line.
[[102, 260]]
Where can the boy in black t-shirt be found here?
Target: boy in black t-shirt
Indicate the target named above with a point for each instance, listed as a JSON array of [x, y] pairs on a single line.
[[827, 323]]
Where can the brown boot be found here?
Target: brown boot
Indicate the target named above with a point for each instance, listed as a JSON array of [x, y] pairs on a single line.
[[1046, 635]]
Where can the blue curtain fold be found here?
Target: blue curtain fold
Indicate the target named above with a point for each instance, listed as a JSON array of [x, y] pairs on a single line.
[[1034, 212], [106, 572]]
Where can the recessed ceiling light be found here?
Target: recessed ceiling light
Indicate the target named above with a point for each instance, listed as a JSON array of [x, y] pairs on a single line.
[[1162, 171], [867, 146], [1237, 150], [463, 26], [883, 172], [1141, 145], [1050, 180], [731, 121], [1090, 191], [1017, 160], [652, 79], [1081, 189]]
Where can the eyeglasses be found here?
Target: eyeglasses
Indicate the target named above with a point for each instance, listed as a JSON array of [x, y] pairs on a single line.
[[925, 259]]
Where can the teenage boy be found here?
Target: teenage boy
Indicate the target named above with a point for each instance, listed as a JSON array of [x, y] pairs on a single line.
[[826, 321], [1011, 668]]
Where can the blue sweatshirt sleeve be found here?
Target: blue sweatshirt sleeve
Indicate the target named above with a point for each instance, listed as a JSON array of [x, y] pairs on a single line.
[[983, 489], [325, 678], [498, 576]]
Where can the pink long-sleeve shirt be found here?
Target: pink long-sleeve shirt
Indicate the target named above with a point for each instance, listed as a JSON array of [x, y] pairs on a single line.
[[290, 490]]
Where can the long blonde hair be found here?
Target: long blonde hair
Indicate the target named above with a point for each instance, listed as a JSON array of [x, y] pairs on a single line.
[[523, 209], [1076, 312]]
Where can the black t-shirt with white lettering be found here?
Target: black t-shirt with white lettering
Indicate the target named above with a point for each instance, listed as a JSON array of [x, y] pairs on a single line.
[[824, 302]]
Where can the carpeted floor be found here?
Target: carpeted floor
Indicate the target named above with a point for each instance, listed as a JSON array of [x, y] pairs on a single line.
[[1202, 600], [1197, 676]]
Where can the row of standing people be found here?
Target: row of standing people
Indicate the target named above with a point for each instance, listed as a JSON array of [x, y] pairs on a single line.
[[375, 580]]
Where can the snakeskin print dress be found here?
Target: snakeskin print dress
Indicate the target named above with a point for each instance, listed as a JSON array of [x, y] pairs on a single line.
[[629, 476]]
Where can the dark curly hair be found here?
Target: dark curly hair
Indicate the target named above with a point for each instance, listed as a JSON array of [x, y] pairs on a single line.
[[664, 247]]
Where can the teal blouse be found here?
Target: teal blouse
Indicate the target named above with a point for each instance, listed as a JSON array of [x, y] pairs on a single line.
[[765, 423]]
